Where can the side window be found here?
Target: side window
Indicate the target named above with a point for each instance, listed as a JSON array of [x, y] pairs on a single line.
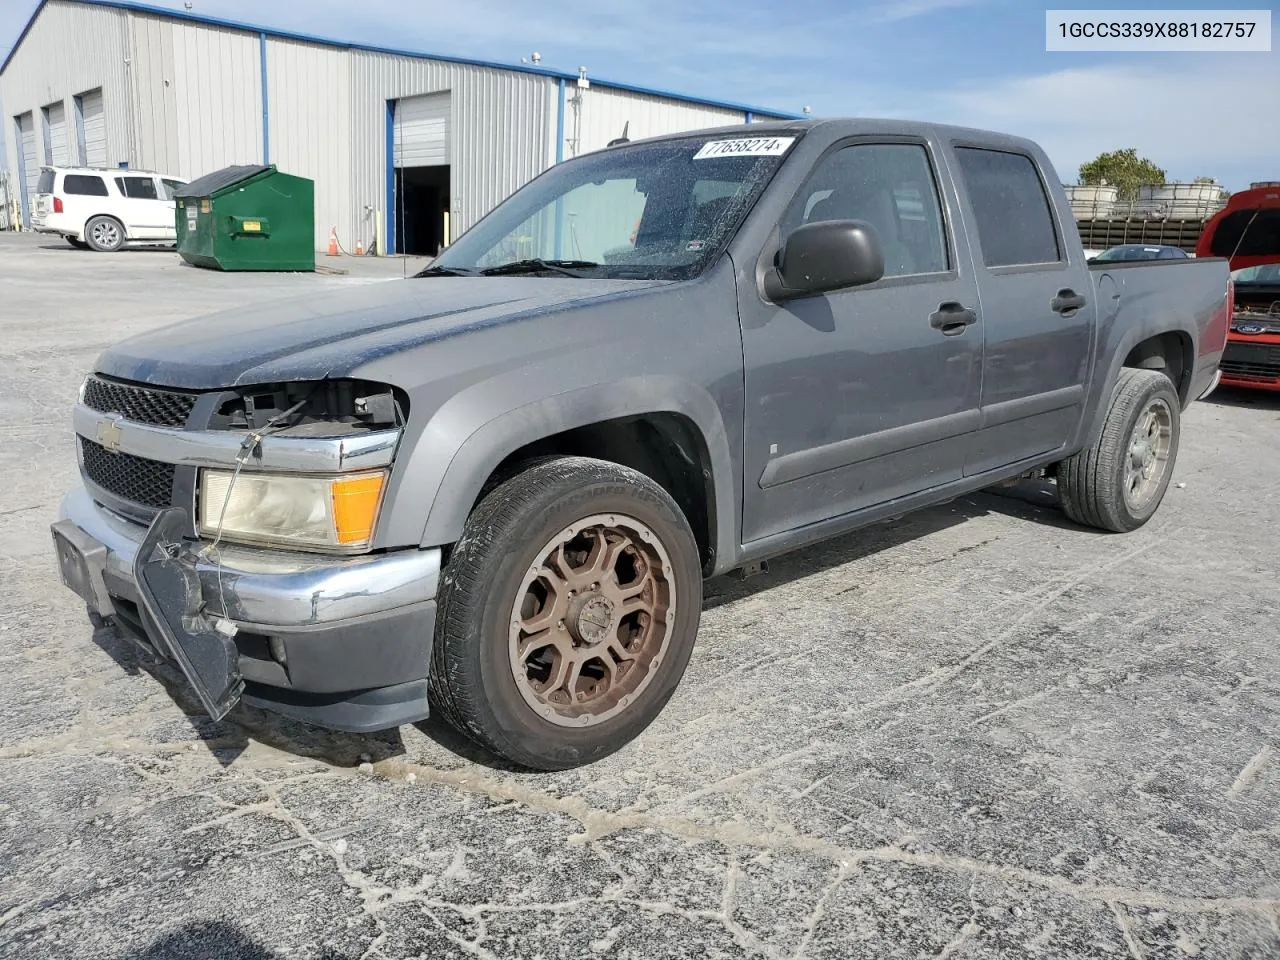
[[169, 186], [891, 187], [139, 188], [1014, 220], [84, 186]]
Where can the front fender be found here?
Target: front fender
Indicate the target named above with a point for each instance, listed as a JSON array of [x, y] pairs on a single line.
[[469, 436]]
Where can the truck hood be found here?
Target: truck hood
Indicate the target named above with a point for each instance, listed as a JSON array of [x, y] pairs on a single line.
[[331, 334], [1246, 231]]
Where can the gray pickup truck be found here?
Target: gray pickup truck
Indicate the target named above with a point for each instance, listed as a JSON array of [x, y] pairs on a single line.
[[496, 488]]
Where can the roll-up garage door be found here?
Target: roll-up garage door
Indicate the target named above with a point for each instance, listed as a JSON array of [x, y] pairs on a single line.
[[28, 159], [95, 129], [56, 153], [422, 131]]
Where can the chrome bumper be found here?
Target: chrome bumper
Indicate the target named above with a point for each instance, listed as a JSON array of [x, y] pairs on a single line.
[[255, 587]]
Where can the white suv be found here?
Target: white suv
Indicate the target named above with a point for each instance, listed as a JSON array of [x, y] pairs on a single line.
[[105, 209]]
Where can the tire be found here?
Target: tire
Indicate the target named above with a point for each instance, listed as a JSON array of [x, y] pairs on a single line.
[[78, 244], [104, 234], [1096, 485], [542, 713]]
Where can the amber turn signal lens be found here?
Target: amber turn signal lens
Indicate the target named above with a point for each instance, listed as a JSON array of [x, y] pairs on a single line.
[[355, 506]]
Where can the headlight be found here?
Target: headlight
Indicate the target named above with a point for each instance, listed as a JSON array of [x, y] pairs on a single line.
[[335, 513]]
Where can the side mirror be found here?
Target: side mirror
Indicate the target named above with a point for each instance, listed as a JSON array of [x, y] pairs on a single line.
[[823, 256]]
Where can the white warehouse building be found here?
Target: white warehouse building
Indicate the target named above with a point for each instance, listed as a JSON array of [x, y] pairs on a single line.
[[402, 146]]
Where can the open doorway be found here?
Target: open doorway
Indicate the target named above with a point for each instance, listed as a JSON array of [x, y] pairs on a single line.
[[422, 200]]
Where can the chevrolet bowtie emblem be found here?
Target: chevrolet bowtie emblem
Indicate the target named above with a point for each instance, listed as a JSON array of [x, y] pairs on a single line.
[[109, 433]]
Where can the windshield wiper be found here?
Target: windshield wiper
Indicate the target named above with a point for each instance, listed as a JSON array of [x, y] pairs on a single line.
[[568, 268], [444, 272]]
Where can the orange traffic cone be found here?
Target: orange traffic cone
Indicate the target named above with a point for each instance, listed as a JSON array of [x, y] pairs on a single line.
[[333, 241], [359, 249]]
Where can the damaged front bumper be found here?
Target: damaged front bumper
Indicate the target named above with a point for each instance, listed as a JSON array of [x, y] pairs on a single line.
[[342, 642]]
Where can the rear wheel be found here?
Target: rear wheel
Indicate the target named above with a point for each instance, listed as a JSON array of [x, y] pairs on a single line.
[[1119, 482], [104, 234], [567, 614], [78, 244]]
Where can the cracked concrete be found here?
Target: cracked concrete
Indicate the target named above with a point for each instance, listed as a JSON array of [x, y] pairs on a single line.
[[978, 732]]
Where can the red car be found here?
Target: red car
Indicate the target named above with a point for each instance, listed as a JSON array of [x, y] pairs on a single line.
[[1247, 232]]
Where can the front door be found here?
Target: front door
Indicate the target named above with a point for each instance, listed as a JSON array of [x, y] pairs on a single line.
[[146, 215], [1037, 311], [862, 396]]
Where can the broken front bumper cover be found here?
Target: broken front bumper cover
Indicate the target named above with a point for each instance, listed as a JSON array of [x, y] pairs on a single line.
[[355, 631]]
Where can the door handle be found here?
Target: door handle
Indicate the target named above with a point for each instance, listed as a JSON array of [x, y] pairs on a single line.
[[952, 318], [1067, 301]]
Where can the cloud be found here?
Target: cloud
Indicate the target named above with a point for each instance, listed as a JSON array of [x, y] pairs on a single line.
[[1201, 115], [909, 9]]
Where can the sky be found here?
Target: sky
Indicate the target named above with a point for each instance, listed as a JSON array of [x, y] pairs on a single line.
[[973, 62]]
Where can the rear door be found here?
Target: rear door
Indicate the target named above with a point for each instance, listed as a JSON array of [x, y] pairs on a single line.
[[865, 395], [84, 196], [1037, 314], [148, 217]]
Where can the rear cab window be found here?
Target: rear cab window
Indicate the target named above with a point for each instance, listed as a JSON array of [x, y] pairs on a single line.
[[1010, 208], [45, 183], [84, 185], [168, 187]]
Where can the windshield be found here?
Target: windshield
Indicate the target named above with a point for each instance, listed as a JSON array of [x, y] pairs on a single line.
[[1266, 273], [653, 211]]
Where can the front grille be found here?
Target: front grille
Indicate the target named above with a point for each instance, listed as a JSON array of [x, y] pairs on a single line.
[[136, 479], [1261, 360], [162, 408]]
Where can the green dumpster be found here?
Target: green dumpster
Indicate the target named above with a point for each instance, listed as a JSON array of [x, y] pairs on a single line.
[[247, 218]]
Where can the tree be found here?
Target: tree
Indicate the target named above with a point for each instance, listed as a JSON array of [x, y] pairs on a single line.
[[1123, 169]]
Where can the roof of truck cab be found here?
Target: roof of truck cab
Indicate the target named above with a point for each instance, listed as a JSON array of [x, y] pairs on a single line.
[[859, 126]]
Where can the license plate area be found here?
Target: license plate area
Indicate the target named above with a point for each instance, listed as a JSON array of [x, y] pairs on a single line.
[[81, 563], [172, 606]]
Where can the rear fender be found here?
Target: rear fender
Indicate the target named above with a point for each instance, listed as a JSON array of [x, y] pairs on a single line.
[[1100, 396]]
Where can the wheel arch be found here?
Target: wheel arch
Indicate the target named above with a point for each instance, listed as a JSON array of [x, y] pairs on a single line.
[[651, 421], [1142, 345]]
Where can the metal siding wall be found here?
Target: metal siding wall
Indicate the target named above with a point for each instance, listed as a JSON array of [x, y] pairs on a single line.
[[71, 48], [218, 100], [309, 92], [155, 94], [606, 111], [498, 139]]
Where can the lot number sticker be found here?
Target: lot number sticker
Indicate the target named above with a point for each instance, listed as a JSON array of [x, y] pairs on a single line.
[[752, 147]]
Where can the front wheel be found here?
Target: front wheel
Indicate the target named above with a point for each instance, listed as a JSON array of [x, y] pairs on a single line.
[[1118, 483], [568, 612]]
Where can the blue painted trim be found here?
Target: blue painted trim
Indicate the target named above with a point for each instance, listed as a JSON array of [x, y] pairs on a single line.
[[560, 125], [266, 105], [391, 177], [748, 117], [183, 15]]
